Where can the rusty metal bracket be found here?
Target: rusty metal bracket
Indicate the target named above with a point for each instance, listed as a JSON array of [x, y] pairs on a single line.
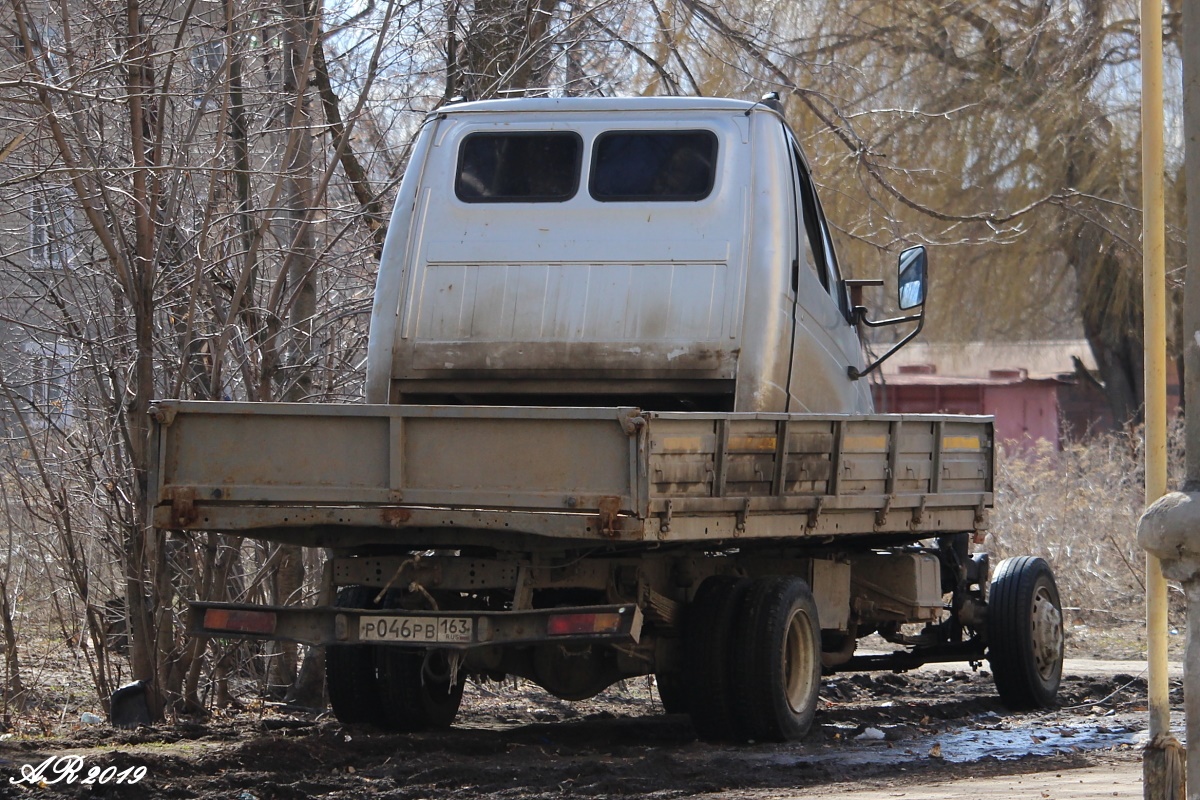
[[183, 504], [981, 523], [918, 513], [664, 525], [633, 422], [814, 514], [740, 527], [609, 507], [163, 415], [882, 514]]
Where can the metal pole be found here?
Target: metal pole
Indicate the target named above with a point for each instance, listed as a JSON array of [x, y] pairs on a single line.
[[1153, 288], [1158, 753]]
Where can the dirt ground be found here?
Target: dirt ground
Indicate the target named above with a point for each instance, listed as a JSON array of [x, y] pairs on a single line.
[[932, 733], [938, 732]]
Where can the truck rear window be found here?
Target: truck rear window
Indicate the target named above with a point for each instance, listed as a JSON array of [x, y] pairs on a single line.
[[653, 165], [524, 167]]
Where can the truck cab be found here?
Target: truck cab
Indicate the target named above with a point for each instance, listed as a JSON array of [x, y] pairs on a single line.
[[664, 253]]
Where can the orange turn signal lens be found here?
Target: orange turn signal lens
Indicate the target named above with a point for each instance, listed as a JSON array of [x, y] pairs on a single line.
[[568, 624], [239, 621]]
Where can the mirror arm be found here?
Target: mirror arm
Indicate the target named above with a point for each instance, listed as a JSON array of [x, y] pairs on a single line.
[[860, 318], [860, 312]]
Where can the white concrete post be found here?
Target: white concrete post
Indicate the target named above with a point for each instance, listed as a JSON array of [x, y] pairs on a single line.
[[1170, 530]]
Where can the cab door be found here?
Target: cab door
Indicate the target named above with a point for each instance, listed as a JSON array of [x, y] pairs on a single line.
[[825, 342]]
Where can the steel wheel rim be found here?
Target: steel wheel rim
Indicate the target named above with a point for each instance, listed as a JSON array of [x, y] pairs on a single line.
[[1046, 629], [798, 657]]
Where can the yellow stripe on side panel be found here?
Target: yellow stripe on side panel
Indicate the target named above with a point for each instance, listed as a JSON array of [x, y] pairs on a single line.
[[685, 444], [960, 443], [758, 444], [860, 443]]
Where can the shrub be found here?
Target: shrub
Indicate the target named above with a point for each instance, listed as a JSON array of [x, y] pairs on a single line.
[[1078, 508]]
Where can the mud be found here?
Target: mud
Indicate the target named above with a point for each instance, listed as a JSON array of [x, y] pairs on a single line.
[[517, 742]]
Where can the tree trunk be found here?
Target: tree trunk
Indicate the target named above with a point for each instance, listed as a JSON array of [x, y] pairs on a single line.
[[504, 50], [14, 688], [299, 37], [1113, 335], [147, 573], [288, 584]]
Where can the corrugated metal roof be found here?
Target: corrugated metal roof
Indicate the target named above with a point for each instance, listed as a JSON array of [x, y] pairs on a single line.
[[900, 379], [1042, 360]]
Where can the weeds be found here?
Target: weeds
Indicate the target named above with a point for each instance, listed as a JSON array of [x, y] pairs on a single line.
[[1078, 508]]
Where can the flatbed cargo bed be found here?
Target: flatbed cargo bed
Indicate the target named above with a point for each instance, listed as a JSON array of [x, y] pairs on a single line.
[[360, 475]]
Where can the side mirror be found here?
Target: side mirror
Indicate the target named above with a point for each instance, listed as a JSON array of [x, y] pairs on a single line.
[[910, 277], [911, 271]]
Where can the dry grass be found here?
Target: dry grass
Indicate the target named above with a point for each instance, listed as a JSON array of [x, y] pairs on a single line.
[[1078, 508]]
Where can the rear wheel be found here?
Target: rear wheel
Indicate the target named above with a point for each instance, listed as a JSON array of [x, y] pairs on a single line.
[[707, 644], [672, 692], [350, 669], [418, 690], [1025, 633], [777, 660]]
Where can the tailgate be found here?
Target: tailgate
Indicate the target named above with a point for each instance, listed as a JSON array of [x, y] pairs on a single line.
[[574, 460]]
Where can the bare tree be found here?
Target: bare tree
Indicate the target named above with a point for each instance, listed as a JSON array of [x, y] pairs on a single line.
[[14, 695], [176, 276]]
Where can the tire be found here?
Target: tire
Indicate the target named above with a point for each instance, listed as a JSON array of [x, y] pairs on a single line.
[[707, 643], [415, 690], [777, 660], [672, 692], [415, 693], [350, 668], [1025, 633]]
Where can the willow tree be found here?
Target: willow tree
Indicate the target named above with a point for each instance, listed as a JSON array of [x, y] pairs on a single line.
[[1003, 133], [1031, 133]]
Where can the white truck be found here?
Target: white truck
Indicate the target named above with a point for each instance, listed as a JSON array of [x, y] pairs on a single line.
[[616, 424]]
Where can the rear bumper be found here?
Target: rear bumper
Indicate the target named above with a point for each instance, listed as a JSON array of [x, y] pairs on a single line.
[[452, 630]]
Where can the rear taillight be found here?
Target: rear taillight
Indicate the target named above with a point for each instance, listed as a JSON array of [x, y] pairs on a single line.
[[239, 621], [574, 624]]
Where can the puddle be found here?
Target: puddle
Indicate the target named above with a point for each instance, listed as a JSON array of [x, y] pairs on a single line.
[[986, 738], [974, 744]]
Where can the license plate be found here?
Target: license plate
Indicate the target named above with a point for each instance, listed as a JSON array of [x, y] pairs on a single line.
[[432, 630]]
